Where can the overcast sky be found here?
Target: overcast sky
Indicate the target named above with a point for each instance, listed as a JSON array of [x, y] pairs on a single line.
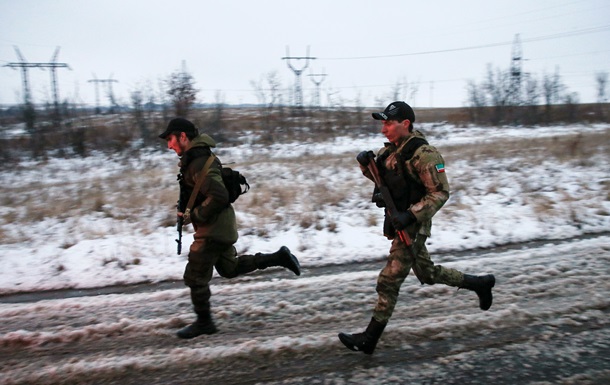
[[365, 48]]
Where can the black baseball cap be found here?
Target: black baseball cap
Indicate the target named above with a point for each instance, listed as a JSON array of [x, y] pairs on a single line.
[[179, 125], [396, 111]]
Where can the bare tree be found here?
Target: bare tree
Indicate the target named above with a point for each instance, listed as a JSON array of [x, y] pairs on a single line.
[[259, 91], [216, 124], [275, 86], [182, 92], [359, 115], [497, 86], [532, 97], [476, 101], [163, 99], [571, 100], [268, 92], [137, 104], [410, 90], [551, 88], [601, 79], [402, 90], [150, 104]]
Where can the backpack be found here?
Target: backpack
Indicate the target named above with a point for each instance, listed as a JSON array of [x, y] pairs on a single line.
[[235, 183]]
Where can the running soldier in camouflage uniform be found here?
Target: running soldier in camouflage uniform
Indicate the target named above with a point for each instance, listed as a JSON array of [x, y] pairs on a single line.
[[213, 219], [414, 172]]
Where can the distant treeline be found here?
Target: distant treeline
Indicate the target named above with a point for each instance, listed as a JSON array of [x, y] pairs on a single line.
[[72, 131]]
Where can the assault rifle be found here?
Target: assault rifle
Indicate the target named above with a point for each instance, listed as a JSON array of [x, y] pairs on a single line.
[[179, 224], [180, 218], [367, 159]]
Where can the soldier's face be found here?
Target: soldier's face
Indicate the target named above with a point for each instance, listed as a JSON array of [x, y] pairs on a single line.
[[178, 143], [394, 131]]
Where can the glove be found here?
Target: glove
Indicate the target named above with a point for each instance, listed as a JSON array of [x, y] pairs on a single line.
[[403, 219], [378, 199], [365, 157]]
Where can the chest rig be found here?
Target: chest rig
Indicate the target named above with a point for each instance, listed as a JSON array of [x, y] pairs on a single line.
[[405, 190]]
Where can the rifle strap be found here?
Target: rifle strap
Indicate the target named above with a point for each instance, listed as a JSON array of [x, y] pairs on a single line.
[[202, 175]]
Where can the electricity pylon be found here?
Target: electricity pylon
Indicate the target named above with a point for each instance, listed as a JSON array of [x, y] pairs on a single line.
[[515, 73], [298, 89], [27, 96], [24, 65], [317, 82], [108, 82]]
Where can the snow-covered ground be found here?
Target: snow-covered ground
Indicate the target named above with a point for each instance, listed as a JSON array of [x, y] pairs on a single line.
[[549, 322], [494, 201]]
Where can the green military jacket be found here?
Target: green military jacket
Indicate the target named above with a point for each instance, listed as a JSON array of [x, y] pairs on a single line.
[[212, 215], [426, 168]]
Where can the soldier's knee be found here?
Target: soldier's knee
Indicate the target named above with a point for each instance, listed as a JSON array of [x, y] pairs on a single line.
[[227, 273], [428, 280], [426, 277], [385, 287], [189, 280]]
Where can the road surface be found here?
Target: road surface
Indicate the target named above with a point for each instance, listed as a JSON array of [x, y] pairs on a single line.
[[549, 324]]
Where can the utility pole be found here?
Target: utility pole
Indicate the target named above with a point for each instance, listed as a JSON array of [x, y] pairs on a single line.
[[515, 97], [298, 90], [96, 82], [108, 82], [515, 73], [24, 65], [53, 65], [317, 83]]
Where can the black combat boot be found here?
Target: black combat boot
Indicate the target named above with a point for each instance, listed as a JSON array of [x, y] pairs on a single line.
[[364, 342], [283, 257], [480, 284], [203, 325]]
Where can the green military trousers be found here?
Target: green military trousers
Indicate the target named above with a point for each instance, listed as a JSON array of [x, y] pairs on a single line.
[[205, 255], [397, 268]]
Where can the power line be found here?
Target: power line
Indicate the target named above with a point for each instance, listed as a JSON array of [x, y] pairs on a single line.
[[517, 19], [571, 55], [533, 39]]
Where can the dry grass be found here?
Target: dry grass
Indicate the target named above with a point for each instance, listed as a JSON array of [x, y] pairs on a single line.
[[568, 148], [285, 197]]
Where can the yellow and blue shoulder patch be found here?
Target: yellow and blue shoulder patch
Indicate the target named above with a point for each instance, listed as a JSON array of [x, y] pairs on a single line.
[[440, 167]]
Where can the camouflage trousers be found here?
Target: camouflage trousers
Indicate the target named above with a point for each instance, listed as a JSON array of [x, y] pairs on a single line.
[[204, 256], [397, 268]]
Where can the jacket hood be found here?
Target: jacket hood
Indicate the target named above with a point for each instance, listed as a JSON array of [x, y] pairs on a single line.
[[203, 140], [200, 146]]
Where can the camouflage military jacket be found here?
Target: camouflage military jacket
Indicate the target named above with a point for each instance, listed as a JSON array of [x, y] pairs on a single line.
[[426, 168]]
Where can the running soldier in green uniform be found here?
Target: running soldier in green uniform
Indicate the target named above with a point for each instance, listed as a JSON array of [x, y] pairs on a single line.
[[414, 173], [213, 219]]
